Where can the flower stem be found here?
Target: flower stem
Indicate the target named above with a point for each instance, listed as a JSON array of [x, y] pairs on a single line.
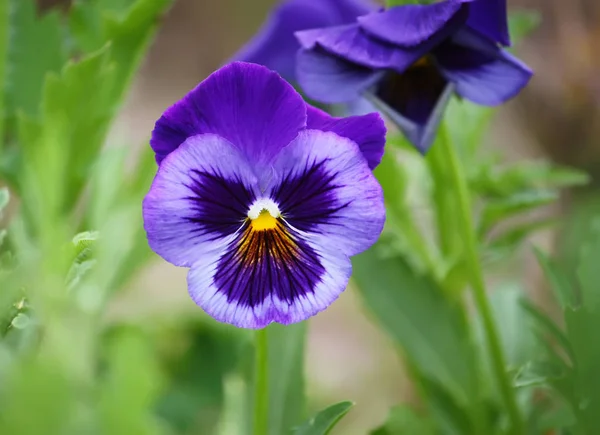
[[471, 246], [261, 383]]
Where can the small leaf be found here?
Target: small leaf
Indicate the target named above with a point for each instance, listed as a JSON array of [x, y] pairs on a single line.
[[559, 282], [325, 420], [21, 321], [501, 209]]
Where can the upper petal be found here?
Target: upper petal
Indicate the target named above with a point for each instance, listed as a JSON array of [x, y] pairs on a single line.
[[326, 190], [352, 44], [367, 131], [330, 79], [411, 25], [247, 104], [489, 18], [198, 199], [275, 45], [481, 71]]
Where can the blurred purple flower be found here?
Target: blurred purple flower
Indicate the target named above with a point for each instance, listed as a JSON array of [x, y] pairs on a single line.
[[275, 46], [264, 197], [409, 60]]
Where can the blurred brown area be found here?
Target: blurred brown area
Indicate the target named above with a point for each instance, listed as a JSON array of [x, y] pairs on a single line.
[[557, 116]]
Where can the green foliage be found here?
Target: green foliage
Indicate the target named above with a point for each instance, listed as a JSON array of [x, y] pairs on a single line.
[[404, 420], [325, 421]]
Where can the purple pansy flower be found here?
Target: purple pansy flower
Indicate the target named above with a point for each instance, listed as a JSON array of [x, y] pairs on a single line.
[[275, 46], [263, 197], [409, 60]]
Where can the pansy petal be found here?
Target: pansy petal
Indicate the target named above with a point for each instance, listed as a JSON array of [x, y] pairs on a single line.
[[326, 190], [411, 25], [481, 71], [329, 79], [421, 133], [198, 199], [367, 131], [275, 45], [247, 104], [489, 18], [274, 289], [350, 43]]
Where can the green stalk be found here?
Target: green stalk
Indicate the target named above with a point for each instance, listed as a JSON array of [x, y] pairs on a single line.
[[261, 383], [471, 245]]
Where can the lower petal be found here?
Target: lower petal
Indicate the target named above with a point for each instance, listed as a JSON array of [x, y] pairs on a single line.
[[367, 131], [268, 276], [481, 71]]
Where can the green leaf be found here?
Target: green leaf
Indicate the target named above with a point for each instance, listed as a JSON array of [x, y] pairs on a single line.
[[588, 272], [286, 376], [558, 280], [4, 40], [325, 420], [521, 23], [21, 321], [404, 420], [498, 210], [428, 325], [28, 64]]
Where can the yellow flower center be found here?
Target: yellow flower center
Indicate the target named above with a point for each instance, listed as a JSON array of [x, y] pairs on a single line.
[[264, 221]]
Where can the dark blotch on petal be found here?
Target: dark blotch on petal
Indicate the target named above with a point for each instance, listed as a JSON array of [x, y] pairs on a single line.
[[220, 205], [268, 262], [308, 199]]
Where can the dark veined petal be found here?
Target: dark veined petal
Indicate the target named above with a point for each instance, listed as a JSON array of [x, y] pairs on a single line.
[[352, 44], [411, 25], [330, 79], [481, 71], [367, 131], [198, 200], [419, 131], [326, 190], [247, 104], [269, 276], [489, 18]]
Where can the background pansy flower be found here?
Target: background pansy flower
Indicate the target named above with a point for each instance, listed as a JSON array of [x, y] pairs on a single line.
[[409, 60], [275, 46], [263, 197]]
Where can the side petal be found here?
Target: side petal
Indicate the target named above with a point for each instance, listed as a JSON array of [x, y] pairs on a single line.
[[247, 104], [352, 44], [489, 18], [198, 200], [326, 191], [367, 131], [481, 71], [411, 25], [329, 79], [276, 288]]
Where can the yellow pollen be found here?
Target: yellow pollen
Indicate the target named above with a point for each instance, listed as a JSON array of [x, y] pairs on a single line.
[[264, 221], [424, 61]]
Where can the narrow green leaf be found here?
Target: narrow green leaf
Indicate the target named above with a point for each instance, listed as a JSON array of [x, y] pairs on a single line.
[[588, 272], [559, 282], [4, 198], [4, 39], [325, 420], [418, 314], [28, 64]]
